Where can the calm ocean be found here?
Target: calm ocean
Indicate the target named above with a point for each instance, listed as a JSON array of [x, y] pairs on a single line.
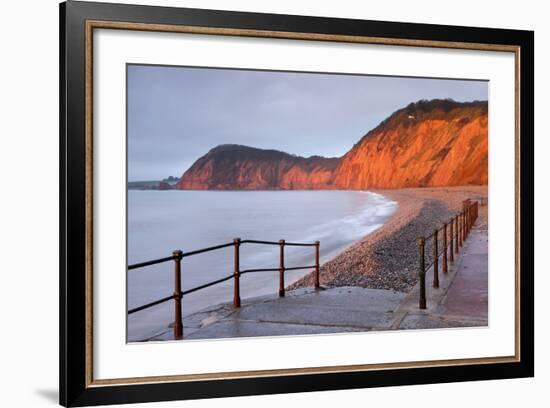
[[162, 221]]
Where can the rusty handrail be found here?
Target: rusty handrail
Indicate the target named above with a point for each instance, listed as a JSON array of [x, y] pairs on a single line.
[[148, 305], [259, 270], [178, 255], [151, 262], [171, 258], [255, 241], [298, 244], [200, 251], [460, 226]]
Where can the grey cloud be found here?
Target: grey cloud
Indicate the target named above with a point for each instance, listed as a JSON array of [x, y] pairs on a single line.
[[177, 114]]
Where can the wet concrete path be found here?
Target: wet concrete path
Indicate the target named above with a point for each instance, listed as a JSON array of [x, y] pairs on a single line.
[[468, 295]]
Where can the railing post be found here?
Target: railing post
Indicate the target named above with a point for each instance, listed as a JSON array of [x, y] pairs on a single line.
[[444, 248], [467, 221], [282, 268], [236, 273], [178, 322], [456, 234], [435, 283], [461, 230], [465, 225], [422, 273], [317, 284], [451, 238]]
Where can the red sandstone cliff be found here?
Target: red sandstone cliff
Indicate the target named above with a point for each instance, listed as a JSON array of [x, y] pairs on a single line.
[[235, 167], [428, 143]]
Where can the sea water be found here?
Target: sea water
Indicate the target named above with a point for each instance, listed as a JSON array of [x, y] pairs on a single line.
[[162, 221]]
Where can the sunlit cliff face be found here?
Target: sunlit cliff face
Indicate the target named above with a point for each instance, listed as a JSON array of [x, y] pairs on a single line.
[[230, 167], [427, 144]]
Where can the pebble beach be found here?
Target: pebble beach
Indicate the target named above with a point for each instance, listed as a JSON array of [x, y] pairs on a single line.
[[388, 257]]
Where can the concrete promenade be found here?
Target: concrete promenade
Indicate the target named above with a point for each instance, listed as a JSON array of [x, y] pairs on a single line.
[[460, 301]]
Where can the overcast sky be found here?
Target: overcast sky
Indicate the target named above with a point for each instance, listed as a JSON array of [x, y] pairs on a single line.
[[177, 114]]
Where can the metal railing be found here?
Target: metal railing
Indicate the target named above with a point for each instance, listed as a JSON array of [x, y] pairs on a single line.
[[454, 233], [178, 255]]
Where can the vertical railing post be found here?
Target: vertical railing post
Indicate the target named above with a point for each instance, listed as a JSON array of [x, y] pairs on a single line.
[[178, 322], [422, 273], [465, 225], [471, 216], [282, 268], [467, 221], [444, 248], [461, 230], [436, 262], [451, 238], [236, 273], [456, 234], [317, 284]]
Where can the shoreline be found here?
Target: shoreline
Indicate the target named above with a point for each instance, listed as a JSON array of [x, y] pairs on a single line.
[[387, 257]]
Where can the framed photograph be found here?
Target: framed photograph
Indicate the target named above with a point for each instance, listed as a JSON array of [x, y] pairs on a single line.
[[256, 203]]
